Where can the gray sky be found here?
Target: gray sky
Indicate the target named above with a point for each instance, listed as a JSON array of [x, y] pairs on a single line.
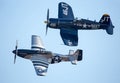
[[19, 19]]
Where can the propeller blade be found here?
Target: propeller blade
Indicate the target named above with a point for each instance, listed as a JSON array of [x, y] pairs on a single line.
[[47, 14], [46, 29], [14, 58], [16, 51], [47, 22]]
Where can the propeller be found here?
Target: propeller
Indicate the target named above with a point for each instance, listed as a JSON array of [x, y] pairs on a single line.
[[16, 51], [47, 22]]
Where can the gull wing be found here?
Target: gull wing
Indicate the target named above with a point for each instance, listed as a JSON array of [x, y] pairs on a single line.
[[65, 11], [69, 36]]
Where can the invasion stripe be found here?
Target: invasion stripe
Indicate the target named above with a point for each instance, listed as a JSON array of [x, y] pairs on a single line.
[[40, 62], [40, 65]]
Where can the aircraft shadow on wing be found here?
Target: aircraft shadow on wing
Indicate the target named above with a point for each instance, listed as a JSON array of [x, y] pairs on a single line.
[[69, 26], [41, 58]]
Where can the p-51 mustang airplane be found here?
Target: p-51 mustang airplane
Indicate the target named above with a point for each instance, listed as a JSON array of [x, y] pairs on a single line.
[[69, 26], [42, 58]]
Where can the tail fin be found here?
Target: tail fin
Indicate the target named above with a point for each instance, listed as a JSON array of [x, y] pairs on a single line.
[[75, 56], [106, 21]]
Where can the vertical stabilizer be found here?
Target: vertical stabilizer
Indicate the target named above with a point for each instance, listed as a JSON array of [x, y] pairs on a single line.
[[36, 43], [105, 20], [75, 56]]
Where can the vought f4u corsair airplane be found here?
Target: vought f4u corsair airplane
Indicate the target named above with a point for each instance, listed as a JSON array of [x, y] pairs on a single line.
[[69, 26], [42, 58]]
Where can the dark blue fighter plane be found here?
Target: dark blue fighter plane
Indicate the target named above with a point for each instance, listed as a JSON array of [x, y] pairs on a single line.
[[69, 26]]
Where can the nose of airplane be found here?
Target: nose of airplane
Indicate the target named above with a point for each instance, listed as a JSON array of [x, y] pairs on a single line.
[[45, 22], [14, 51]]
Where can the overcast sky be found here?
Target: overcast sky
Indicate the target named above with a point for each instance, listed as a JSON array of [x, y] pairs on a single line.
[[19, 19]]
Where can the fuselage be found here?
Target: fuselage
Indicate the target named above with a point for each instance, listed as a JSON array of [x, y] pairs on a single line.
[[27, 53], [83, 24]]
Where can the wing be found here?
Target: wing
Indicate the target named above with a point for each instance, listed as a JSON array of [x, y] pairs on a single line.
[[69, 36], [40, 64], [65, 11], [36, 42]]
